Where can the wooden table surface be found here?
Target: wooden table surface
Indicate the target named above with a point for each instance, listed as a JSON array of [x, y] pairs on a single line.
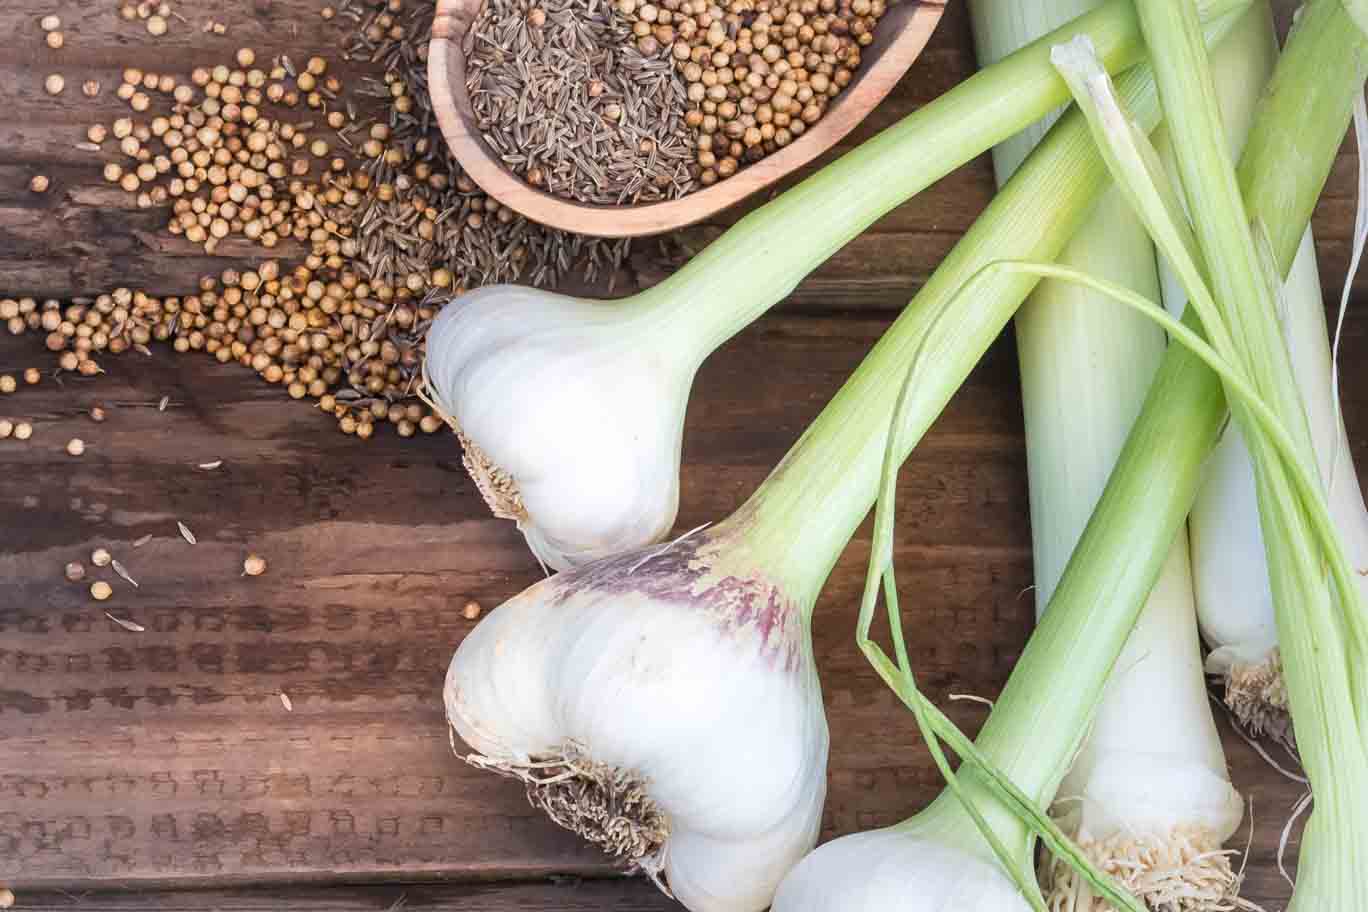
[[164, 761]]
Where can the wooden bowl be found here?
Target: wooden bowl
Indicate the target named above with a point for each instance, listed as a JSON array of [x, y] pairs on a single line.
[[901, 34]]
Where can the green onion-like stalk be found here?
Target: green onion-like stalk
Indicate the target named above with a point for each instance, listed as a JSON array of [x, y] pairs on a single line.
[[943, 858], [1321, 614], [1234, 597], [571, 411], [1149, 797]]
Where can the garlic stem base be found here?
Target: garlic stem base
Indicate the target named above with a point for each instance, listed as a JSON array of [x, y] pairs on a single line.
[[606, 805], [1186, 871], [497, 487], [1257, 695]]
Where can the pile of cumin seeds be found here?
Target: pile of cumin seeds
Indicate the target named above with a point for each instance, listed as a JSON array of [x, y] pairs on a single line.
[[570, 103], [477, 239]]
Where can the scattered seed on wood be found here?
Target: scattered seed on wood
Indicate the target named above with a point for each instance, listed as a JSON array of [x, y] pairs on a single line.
[[253, 566], [100, 557], [123, 573], [6, 898], [286, 702], [142, 540], [97, 414], [75, 571], [161, 405], [75, 446], [54, 84], [471, 610], [99, 591], [186, 533], [391, 238], [23, 431], [39, 183], [211, 465]]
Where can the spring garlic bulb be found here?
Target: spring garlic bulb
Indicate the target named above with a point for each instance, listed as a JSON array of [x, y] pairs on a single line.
[[571, 413], [920, 865], [681, 690]]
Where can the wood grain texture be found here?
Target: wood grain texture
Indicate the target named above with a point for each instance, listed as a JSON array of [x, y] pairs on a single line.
[[898, 40], [562, 895], [166, 759]]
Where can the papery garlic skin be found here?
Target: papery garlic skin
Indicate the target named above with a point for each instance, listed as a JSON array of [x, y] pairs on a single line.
[[912, 867], [580, 403], [699, 682]]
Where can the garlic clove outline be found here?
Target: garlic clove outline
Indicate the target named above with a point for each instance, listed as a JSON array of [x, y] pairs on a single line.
[[693, 684], [571, 412]]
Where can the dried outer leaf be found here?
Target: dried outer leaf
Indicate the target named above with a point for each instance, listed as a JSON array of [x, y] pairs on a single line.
[[126, 625], [186, 533], [123, 573]]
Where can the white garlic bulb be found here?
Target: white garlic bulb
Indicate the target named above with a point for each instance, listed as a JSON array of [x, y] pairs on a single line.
[[672, 688], [571, 412], [920, 865]]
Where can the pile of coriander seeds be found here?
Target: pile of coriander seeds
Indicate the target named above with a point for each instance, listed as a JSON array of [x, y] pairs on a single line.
[[759, 72], [555, 102], [370, 224]]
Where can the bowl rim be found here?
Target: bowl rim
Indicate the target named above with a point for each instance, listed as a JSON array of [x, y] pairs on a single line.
[[451, 104]]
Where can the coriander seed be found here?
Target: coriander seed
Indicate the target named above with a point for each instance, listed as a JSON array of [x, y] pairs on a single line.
[[97, 414], [253, 566], [39, 183], [6, 428], [100, 557], [23, 431], [32, 376], [55, 40], [54, 84], [100, 590], [7, 383], [75, 571], [50, 23], [75, 446], [471, 610]]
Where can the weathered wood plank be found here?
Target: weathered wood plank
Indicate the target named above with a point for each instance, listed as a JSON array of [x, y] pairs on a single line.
[[567, 895]]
